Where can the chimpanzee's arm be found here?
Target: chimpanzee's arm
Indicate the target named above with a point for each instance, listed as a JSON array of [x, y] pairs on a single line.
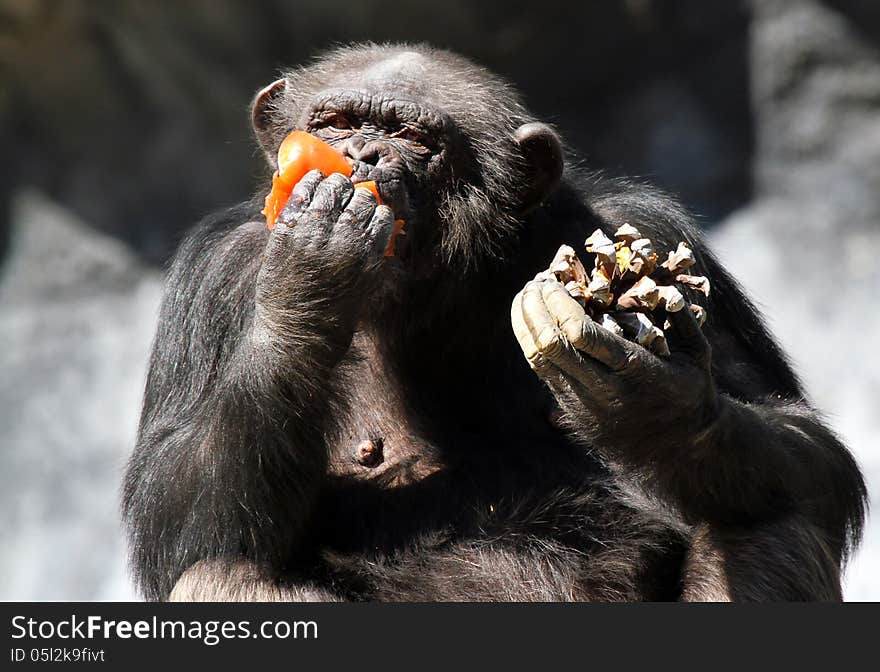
[[230, 453], [721, 433]]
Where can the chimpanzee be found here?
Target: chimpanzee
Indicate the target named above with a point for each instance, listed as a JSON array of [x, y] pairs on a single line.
[[321, 422]]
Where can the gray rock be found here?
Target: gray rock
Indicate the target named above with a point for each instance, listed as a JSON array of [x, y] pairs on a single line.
[[77, 312]]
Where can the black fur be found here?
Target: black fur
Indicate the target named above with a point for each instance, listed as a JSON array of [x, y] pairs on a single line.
[[261, 380]]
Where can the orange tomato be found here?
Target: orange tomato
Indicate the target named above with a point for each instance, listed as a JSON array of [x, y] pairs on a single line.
[[398, 230], [370, 186], [299, 153]]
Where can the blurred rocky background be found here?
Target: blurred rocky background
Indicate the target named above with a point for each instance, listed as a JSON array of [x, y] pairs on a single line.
[[123, 122]]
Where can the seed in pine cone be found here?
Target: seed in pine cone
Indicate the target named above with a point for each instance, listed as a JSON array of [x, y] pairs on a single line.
[[642, 260], [681, 259], [627, 233], [670, 298], [605, 250], [643, 294], [698, 282], [599, 289], [567, 267]]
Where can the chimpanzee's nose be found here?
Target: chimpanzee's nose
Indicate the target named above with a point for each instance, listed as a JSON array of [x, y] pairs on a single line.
[[360, 150]]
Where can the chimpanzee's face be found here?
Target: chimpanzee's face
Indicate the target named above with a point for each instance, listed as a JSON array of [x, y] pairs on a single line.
[[402, 144], [450, 148], [385, 119]]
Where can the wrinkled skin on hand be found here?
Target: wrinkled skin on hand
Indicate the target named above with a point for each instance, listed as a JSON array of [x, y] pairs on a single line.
[[326, 250], [612, 385]]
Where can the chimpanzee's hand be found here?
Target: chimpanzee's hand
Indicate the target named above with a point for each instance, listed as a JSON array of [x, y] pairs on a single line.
[[614, 392], [322, 258]]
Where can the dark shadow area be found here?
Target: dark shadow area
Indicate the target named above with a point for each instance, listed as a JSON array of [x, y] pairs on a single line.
[[133, 115], [862, 15]]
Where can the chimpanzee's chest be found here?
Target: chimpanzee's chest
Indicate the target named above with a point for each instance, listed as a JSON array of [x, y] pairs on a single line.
[[379, 436]]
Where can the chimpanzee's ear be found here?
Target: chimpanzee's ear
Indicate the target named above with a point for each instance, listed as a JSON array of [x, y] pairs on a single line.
[[542, 151], [261, 113]]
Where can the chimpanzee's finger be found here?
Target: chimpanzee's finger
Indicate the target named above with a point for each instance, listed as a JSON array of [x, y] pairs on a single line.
[[362, 205], [301, 196], [583, 333], [687, 335], [349, 232], [381, 229], [331, 197], [524, 335], [552, 342], [359, 211], [540, 323]]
